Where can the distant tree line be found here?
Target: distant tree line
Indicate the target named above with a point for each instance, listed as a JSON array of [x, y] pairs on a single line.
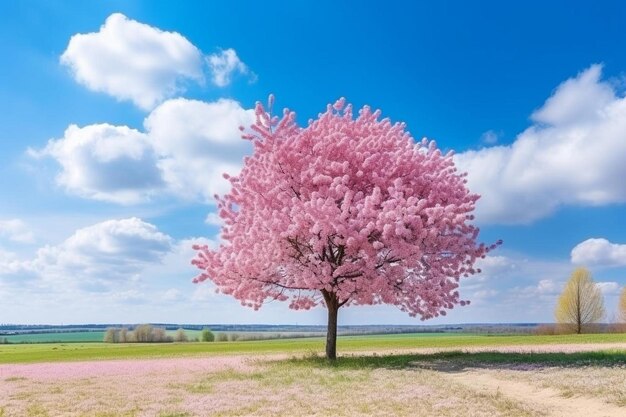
[[147, 333], [144, 333]]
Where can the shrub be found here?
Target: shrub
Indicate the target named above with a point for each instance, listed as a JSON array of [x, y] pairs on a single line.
[[207, 335], [144, 333], [111, 335], [181, 336], [617, 328], [554, 329], [222, 337]]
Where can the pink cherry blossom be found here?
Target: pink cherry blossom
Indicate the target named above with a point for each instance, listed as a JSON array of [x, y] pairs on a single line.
[[346, 211]]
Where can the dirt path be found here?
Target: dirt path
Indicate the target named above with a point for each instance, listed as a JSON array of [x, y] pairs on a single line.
[[546, 400]]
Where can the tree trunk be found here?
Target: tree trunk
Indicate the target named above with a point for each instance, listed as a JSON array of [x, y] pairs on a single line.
[[331, 332]]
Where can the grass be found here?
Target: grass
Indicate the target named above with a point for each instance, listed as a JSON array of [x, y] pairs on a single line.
[[60, 352], [457, 360]]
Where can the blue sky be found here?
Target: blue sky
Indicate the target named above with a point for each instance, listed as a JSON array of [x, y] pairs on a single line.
[[119, 118]]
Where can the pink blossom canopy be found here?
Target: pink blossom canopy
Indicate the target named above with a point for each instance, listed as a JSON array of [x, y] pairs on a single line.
[[350, 207]]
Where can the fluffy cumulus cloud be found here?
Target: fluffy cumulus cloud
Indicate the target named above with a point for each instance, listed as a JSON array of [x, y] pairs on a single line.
[[186, 147], [599, 252], [197, 142], [16, 230], [573, 154], [104, 162], [225, 64], [133, 61], [136, 62], [126, 268], [548, 287], [104, 254], [9, 263]]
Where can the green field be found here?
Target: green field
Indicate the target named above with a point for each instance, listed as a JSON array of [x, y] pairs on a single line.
[[98, 336], [56, 352], [73, 337], [61, 337]]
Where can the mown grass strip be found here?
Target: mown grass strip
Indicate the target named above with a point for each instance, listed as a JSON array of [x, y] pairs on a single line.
[[456, 360], [99, 351]]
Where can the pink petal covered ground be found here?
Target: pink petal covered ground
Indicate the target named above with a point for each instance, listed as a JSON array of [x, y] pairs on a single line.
[[146, 387], [246, 385], [121, 368]]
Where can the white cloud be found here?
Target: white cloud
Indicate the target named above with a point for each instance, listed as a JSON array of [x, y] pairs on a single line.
[[225, 64], [491, 267], [495, 264], [133, 61], [204, 292], [104, 162], [128, 297], [542, 291], [609, 288], [113, 271], [213, 219], [171, 295], [490, 137], [548, 286], [573, 154], [577, 100], [9, 263], [600, 252], [483, 297], [110, 252], [187, 146], [16, 230], [177, 262], [197, 142], [512, 283]]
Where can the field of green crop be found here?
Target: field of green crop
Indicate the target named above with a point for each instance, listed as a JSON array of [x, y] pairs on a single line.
[[97, 336], [65, 337], [56, 352]]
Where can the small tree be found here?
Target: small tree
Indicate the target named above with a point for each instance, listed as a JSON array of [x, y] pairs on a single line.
[[143, 333], [621, 307], [181, 336], [343, 212], [110, 336], [207, 335], [125, 336], [581, 302], [159, 335]]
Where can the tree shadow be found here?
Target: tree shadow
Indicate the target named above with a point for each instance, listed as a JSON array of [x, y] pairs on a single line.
[[458, 361]]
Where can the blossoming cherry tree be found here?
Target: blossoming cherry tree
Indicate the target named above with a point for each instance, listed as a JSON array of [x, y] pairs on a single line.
[[345, 211]]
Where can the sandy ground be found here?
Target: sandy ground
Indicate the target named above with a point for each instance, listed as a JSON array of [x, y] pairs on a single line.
[[548, 400], [253, 385]]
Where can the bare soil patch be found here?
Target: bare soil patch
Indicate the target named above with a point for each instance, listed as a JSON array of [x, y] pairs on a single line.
[[546, 400]]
